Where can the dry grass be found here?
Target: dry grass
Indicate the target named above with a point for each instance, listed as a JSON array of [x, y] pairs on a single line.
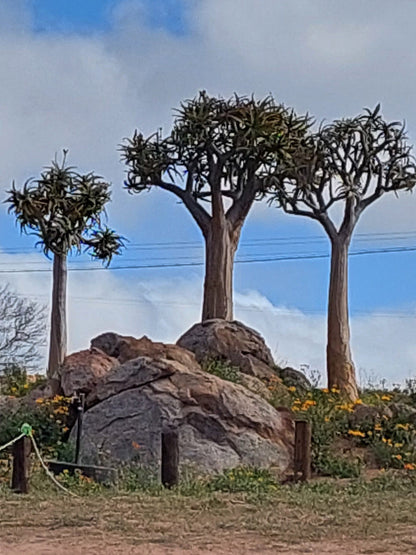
[[371, 514]]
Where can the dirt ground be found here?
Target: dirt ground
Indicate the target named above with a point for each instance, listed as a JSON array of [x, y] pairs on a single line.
[[87, 541]]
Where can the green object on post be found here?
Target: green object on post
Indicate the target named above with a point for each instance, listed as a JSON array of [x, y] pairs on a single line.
[[26, 429]]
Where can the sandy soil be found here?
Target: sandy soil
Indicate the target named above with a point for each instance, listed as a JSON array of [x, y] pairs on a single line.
[[67, 541]]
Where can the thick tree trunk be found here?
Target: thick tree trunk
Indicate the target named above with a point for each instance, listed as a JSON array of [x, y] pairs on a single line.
[[340, 367], [220, 247], [58, 335]]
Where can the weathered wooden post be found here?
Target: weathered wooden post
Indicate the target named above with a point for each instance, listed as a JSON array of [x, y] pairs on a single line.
[[302, 457], [170, 458], [21, 465], [80, 401]]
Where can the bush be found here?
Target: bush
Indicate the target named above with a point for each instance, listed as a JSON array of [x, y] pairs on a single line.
[[223, 369], [14, 381], [48, 420]]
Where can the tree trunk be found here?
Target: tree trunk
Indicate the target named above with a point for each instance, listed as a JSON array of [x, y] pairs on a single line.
[[58, 336], [340, 367], [220, 247]]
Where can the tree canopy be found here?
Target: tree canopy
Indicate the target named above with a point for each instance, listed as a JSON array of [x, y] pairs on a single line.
[[351, 161], [217, 148], [65, 210]]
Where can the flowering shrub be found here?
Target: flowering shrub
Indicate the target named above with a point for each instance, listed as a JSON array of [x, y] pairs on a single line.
[[391, 440], [16, 382], [48, 419]]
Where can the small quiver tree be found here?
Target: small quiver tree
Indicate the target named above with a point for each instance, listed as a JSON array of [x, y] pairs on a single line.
[[349, 163], [64, 209], [215, 160]]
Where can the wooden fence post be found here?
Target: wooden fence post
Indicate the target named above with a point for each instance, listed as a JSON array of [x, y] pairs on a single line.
[[21, 465], [302, 458], [170, 458]]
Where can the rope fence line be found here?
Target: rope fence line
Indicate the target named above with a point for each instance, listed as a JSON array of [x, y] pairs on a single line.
[[11, 442], [46, 469], [27, 431]]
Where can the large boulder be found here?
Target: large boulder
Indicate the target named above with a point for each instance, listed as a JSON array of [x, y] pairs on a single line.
[[82, 371], [232, 342], [220, 424]]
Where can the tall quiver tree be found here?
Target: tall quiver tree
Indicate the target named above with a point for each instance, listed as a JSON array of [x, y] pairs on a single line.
[[64, 209], [351, 162], [214, 161]]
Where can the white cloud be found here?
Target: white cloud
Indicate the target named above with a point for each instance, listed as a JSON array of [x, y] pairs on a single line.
[[87, 93], [163, 309]]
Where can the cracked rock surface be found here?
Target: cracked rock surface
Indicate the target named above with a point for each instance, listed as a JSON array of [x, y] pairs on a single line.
[[136, 388]]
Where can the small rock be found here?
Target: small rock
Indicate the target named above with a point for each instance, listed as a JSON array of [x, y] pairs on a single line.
[[368, 414], [294, 378]]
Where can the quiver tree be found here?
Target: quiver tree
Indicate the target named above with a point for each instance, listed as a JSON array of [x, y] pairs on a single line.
[[352, 163], [215, 160], [64, 209]]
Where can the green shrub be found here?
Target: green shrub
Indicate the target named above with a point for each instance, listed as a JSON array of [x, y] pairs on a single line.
[[14, 381], [223, 369], [48, 420]]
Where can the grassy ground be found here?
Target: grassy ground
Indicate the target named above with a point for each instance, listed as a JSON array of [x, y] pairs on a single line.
[[379, 516]]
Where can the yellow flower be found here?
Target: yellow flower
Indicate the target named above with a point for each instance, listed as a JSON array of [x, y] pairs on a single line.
[[326, 419], [402, 426], [398, 445], [386, 398], [356, 433], [292, 388], [39, 401], [325, 390], [26, 386], [378, 428], [358, 402], [335, 390], [13, 389], [369, 433], [295, 408], [346, 407]]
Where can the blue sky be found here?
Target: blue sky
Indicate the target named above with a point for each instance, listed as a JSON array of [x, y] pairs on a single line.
[[83, 75], [82, 16]]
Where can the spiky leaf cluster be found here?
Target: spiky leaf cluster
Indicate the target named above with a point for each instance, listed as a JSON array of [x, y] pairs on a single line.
[[353, 160], [215, 141], [65, 209]]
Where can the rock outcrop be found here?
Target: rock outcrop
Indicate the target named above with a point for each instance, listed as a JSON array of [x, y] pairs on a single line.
[[233, 342], [139, 388]]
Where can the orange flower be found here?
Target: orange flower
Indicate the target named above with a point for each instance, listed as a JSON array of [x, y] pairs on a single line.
[[135, 445]]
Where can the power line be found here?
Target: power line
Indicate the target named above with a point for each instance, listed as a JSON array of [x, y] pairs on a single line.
[[196, 264], [294, 239]]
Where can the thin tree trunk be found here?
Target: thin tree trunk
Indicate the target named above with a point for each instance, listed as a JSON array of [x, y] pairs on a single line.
[[58, 335], [340, 367], [220, 248]]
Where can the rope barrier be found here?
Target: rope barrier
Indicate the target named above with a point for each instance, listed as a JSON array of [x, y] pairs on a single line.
[[26, 430], [48, 472], [11, 442]]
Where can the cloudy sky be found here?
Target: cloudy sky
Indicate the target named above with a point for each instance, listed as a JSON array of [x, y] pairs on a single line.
[[83, 74]]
